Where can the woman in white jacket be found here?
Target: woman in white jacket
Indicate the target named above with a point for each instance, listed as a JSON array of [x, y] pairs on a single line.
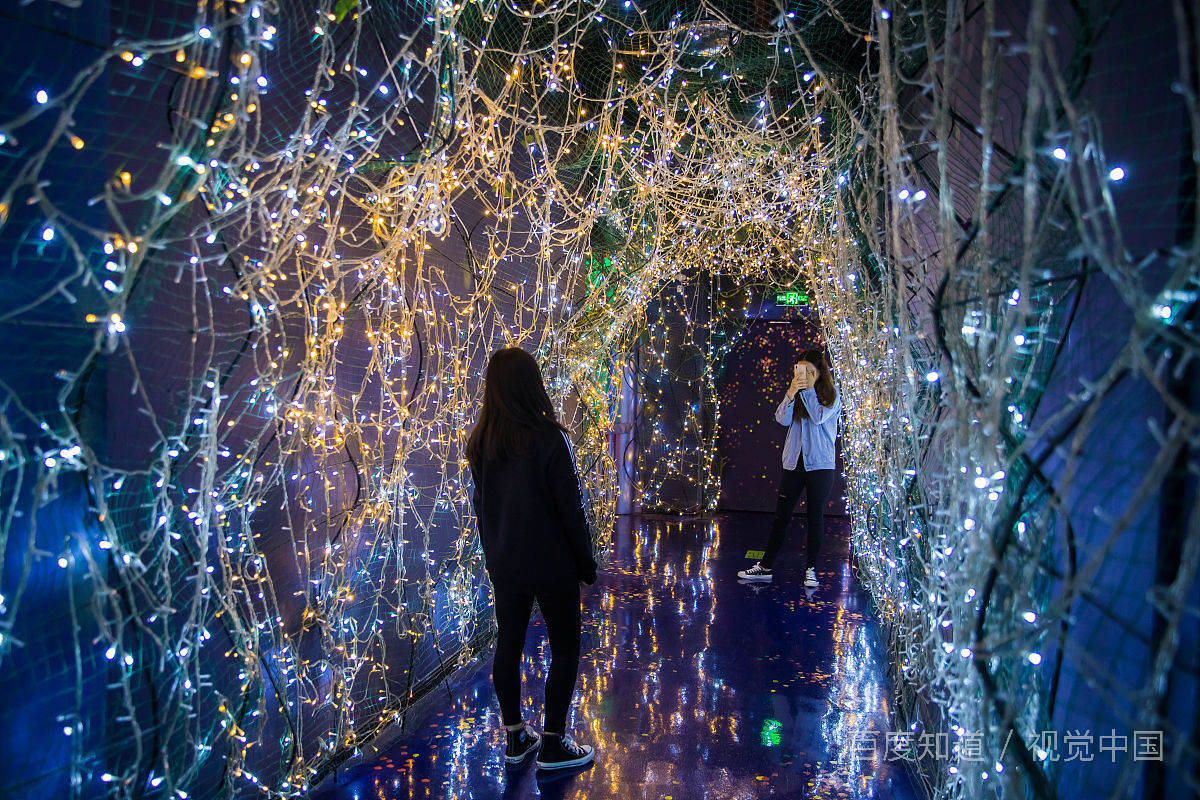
[[809, 457]]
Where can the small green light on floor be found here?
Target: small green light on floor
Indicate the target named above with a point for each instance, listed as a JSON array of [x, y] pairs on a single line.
[[755, 555], [771, 732]]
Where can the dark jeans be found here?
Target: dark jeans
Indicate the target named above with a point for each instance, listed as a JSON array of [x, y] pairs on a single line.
[[819, 482], [561, 611]]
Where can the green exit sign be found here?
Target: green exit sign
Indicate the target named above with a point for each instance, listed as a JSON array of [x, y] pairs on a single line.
[[791, 298]]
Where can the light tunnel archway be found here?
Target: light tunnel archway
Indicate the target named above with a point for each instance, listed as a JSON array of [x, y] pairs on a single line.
[[271, 307]]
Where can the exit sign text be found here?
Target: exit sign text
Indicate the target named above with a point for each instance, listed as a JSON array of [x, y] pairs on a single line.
[[791, 298]]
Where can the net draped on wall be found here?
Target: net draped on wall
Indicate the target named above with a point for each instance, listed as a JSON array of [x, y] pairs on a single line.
[[260, 252]]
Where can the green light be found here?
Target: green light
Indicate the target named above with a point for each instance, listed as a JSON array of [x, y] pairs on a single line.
[[598, 272], [791, 298], [771, 733]]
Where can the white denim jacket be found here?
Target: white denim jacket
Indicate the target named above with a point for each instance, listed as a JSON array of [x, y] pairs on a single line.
[[813, 436]]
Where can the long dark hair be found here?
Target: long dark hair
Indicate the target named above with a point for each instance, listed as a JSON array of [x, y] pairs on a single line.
[[826, 393], [515, 403]]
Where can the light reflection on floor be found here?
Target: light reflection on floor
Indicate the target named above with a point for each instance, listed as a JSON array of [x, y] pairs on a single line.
[[693, 685]]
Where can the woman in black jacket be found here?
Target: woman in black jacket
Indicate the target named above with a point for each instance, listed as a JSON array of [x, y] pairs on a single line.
[[536, 545]]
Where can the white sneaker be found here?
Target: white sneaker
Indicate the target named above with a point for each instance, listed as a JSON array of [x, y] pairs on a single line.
[[810, 578], [757, 573]]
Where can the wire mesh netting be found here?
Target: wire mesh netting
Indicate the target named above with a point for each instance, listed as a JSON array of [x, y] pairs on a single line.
[[258, 253]]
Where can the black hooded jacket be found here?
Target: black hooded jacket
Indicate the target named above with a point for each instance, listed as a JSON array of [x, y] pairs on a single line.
[[531, 521]]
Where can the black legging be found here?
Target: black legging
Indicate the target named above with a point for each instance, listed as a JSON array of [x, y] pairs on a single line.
[[561, 611], [819, 482]]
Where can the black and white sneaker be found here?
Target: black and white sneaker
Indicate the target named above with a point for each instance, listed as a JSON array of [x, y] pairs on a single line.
[[561, 752], [757, 573], [810, 578], [519, 744]]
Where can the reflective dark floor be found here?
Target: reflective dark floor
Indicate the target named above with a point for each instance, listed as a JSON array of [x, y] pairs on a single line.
[[693, 684]]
